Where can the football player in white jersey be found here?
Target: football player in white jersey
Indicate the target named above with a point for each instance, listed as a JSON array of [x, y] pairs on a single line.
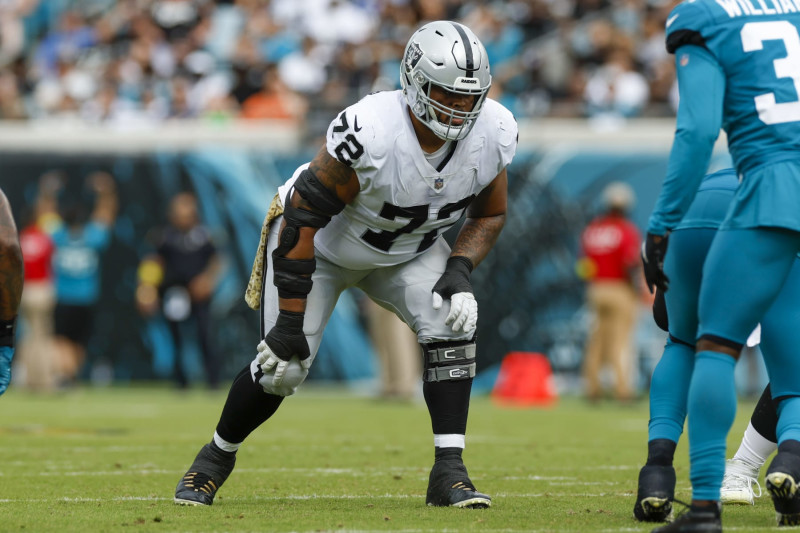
[[368, 211]]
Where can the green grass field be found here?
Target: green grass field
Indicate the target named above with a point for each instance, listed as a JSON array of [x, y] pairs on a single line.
[[109, 460]]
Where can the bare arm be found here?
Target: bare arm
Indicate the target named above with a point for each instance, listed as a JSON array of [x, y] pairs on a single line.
[[11, 269], [105, 208], [47, 200], [343, 182], [201, 287], [150, 274], [486, 216]]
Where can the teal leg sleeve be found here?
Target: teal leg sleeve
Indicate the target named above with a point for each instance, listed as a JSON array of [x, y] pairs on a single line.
[[712, 408], [669, 390], [789, 420]]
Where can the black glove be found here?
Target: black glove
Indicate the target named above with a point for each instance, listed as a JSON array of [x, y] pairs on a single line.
[[654, 249], [286, 338], [455, 278], [660, 311]]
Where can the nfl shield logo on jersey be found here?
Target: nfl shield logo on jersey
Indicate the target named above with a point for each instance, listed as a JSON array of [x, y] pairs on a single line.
[[438, 183]]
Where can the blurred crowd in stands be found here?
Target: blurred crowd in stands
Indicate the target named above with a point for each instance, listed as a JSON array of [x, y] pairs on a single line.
[[132, 63]]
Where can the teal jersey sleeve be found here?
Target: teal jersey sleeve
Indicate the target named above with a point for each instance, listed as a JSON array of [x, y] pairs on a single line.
[[685, 25], [701, 85], [757, 45]]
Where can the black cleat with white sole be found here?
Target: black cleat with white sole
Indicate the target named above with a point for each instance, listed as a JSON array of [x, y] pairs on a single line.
[[450, 486], [655, 493], [707, 519], [781, 481], [208, 472]]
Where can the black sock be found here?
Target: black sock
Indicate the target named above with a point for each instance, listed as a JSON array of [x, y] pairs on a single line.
[[448, 405], [661, 452], [765, 416], [246, 408], [448, 453]]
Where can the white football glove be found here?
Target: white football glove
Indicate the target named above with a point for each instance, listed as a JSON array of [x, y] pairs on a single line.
[[463, 311], [269, 362]]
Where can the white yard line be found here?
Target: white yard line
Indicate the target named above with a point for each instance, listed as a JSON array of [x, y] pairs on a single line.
[[353, 472], [308, 497]]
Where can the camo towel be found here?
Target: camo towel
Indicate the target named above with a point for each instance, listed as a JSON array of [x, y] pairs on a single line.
[[253, 293]]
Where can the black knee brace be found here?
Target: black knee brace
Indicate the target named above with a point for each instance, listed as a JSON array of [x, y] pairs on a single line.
[[448, 361]]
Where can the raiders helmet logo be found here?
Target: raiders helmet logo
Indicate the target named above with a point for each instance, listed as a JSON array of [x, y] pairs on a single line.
[[413, 55]]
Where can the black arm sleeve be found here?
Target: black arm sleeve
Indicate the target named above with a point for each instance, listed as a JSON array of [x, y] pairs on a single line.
[[679, 38]]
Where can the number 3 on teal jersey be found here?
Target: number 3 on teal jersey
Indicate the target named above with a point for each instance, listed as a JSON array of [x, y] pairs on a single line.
[[753, 36]]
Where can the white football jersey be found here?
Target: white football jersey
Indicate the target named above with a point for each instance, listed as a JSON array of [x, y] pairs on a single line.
[[405, 203]]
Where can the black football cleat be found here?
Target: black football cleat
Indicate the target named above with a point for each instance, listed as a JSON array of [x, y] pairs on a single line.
[[208, 472], [655, 494], [695, 520], [781, 480], [450, 486]]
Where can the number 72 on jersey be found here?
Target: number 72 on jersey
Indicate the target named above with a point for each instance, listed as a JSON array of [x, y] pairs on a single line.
[[417, 215]]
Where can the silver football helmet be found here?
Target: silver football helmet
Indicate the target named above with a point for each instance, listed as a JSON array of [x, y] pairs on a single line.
[[449, 55]]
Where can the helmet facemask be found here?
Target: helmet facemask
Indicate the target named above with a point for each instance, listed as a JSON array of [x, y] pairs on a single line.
[[438, 56], [440, 118]]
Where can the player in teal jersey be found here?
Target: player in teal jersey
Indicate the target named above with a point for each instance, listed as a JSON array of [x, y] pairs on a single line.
[[676, 312], [689, 244], [738, 65]]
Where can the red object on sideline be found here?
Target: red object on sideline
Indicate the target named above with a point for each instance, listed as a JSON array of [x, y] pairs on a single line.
[[525, 379], [37, 253], [612, 243]]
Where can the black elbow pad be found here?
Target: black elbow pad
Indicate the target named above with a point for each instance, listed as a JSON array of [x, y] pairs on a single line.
[[318, 195]]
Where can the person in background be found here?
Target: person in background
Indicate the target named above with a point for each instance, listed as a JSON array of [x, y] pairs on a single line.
[[610, 264], [180, 278], [37, 347], [38, 301], [76, 270], [274, 100], [10, 288]]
